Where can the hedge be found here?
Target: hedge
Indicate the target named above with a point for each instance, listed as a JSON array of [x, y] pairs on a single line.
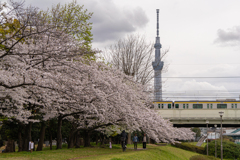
[[202, 157], [190, 147]]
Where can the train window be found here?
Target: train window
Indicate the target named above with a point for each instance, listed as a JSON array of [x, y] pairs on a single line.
[[232, 105], [162, 106], [177, 106], [235, 105], [183, 106], [207, 106], [187, 106], [221, 105], [197, 106], [159, 105], [169, 106], [211, 106]]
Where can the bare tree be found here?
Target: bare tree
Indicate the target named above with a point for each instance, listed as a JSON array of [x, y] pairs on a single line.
[[133, 55]]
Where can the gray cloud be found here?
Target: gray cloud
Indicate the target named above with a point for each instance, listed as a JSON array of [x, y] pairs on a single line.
[[110, 21], [229, 37], [43, 4]]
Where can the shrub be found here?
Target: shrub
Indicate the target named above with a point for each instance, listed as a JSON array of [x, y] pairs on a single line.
[[190, 147], [201, 157], [230, 149]]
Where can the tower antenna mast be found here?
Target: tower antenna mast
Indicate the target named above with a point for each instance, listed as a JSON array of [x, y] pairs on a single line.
[[157, 22]]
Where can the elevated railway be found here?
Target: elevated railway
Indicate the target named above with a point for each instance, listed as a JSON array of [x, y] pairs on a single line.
[[196, 113]]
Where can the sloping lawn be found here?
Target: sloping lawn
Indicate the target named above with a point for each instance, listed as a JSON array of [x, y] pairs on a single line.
[[152, 153], [95, 153]]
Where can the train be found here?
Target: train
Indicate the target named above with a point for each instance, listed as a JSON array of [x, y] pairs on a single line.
[[195, 104]]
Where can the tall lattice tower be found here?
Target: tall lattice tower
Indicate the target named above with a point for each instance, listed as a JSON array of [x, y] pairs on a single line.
[[157, 66]]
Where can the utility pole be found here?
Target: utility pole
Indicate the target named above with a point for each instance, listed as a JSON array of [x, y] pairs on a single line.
[[215, 141]]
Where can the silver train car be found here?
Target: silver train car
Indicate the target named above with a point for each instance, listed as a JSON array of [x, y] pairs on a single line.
[[197, 104]]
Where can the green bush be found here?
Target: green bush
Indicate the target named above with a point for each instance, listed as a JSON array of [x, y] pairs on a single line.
[[230, 149], [190, 147], [201, 157]]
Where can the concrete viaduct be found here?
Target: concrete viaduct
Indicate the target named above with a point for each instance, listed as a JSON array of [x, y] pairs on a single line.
[[198, 117]]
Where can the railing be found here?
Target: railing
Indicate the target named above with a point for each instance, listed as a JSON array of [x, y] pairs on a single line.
[[228, 116], [201, 140]]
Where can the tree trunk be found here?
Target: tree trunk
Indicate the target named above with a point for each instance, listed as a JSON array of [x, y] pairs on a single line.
[[50, 135], [71, 138], [50, 141], [59, 134], [29, 131], [27, 137], [41, 138], [101, 139], [81, 142], [34, 146], [10, 146], [24, 139], [77, 144], [129, 141], [20, 139], [97, 139], [87, 139]]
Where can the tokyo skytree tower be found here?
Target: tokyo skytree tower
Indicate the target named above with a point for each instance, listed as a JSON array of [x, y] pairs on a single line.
[[157, 66]]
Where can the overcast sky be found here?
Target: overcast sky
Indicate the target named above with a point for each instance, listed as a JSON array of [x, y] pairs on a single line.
[[203, 37]]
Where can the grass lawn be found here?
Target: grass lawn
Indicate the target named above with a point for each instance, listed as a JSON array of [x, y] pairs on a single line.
[[151, 153]]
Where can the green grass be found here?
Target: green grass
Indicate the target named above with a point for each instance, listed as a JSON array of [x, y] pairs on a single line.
[[152, 152], [61, 154]]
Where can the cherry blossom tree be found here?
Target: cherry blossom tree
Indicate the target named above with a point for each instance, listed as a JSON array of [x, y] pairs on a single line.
[[44, 76], [30, 48], [115, 99]]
